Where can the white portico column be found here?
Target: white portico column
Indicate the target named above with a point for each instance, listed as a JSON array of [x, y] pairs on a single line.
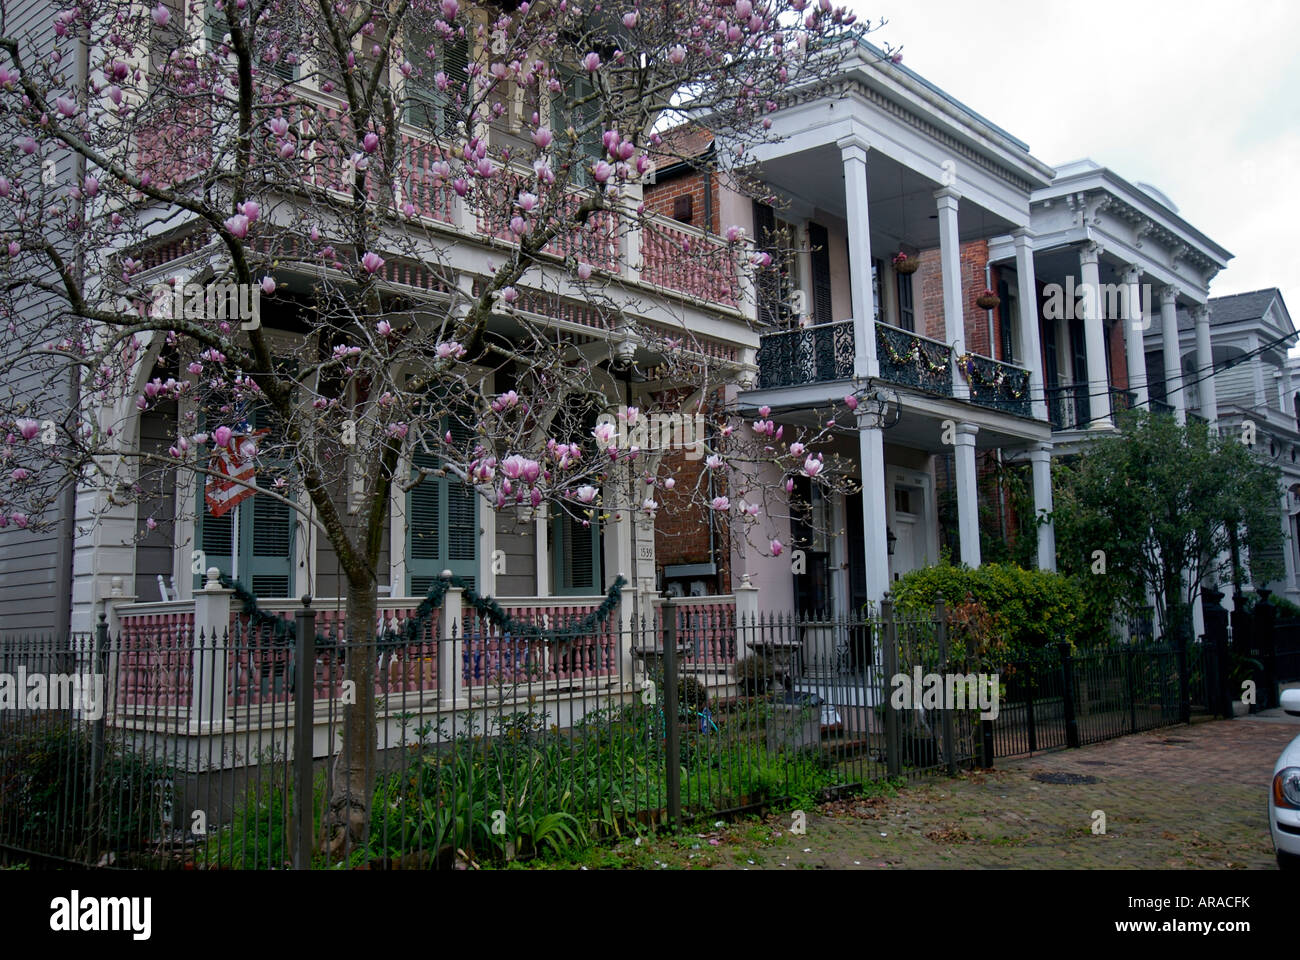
[[1173, 352], [968, 517], [1094, 337], [954, 316], [871, 445], [1288, 548], [1040, 457], [853, 154], [1134, 326], [1031, 354], [1205, 367]]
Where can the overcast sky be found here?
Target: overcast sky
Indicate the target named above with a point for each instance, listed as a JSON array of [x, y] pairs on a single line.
[[1201, 100]]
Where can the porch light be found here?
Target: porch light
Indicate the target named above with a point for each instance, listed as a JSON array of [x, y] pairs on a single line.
[[890, 540]]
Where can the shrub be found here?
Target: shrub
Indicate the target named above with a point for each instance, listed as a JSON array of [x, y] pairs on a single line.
[[753, 675], [1026, 609]]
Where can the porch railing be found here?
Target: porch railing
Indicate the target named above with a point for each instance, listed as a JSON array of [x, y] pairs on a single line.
[[1069, 407], [998, 385], [912, 360], [1121, 400], [818, 353]]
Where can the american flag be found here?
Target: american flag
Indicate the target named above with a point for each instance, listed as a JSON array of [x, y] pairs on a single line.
[[229, 465]]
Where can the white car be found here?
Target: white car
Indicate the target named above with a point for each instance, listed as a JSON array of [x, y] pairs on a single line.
[[1284, 797]]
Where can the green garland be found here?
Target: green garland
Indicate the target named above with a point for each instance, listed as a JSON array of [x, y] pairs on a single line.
[[285, 630]]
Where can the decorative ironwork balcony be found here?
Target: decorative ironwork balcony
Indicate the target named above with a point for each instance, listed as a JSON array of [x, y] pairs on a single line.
[[998, 385], [911, 360], [814, 354], [1068, 407], [1159, 406], [1121, 400]]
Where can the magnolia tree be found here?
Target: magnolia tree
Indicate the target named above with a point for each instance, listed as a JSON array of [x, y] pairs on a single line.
[[320, 167]]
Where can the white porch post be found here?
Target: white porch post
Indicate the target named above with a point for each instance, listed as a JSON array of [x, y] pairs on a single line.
[[954, 316], [451, 646], [1173, 353], [1040, 457], [1134, 325], [968, 521], [1205, 366], [871, 445], [209, 644], [1094, 335], [1031, 354], [1288, 549], [853, 153]]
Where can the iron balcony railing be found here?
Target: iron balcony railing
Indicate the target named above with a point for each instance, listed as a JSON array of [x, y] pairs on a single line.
[[1160, 406], [814, 354], [912, 360], [1121, 400], [998, 385], [1068, 406]]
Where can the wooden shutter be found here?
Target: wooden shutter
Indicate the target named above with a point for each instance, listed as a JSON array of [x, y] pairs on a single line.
[[577, 551], [819, 241], [906, 305], [426, 105], [1004, 321], [441, 522], [768, 280]]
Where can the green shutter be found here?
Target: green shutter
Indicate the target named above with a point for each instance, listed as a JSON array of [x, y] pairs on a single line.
[[577, 555], [441, 526], [426, 105]]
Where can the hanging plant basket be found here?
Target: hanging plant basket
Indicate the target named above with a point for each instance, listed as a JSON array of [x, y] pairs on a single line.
[[988, 300], [906, 264]]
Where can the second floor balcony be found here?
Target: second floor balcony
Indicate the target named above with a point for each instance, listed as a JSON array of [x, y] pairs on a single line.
[[823, 353]]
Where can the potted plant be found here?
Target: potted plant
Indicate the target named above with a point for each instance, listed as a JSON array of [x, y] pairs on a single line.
[[905, 264], [988, 300]]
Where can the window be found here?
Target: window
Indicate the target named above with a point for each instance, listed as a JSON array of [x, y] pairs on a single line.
[[426, 106], [265, 534], [577, 553], [441, 521], [776, 283], [809, 522], [820, 262], [578, 107], [906, 308], [1006, 315]]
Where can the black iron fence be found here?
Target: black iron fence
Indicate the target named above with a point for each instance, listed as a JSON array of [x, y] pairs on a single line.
[[245, 749]]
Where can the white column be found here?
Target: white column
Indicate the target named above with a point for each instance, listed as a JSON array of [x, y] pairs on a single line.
[[1204, 364], [968, 518], [1173, 352], [451, 646], [954, 316], [1040, 457], [209, 647], [1257, 371], [1031, 354], [853, 154], [1094, 336], [1134, 325], [1288, 549], [871, 446]]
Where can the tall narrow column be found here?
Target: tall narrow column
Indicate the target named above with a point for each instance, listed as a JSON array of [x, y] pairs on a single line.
[[853, 154], [1288, 548], [1031, 354], [871, 448], [954, 314], [1173, 352], [1134, 340], [968, 516], [1040, 457], [1205, 366], [1094, 336]]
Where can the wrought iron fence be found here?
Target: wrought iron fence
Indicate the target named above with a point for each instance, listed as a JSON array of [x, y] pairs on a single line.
[[814, 354], [1001, 386], [247, 749], [911, 360]]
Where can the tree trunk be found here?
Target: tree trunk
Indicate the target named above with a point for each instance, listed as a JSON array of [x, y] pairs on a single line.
[[352, 780]]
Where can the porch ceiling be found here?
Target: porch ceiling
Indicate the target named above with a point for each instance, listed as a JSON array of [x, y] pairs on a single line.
[[902, 205]]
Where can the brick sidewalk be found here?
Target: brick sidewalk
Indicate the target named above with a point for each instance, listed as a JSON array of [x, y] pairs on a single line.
[[1181, 797]]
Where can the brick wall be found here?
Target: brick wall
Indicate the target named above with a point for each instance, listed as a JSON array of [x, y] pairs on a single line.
[[682, 522], [662, 196], [974, 256], [1118, 356]]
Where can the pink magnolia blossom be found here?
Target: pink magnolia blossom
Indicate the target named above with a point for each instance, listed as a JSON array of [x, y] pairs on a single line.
[[4, 188], [450, 349], [584, 271], [789, 484], [28, 428], [586, 493], [602, 171], [796, 449], [714, 462], [812, 466], [851, 402], [66, 106], [721, 504], [279, 126], [629, 20], [151, 523], [19, 520], [449, 9], [20, 474], [527, 202], [669, 483], [677, 54], [604, 433], [221, 436], [734, 233], [370, 143], [371, 262], [384, 328], [251, 209], [591, 62], [238, 226], [650, 506], [268, 285], [14, 248], [509, 294], [161, 15], [777, 546]]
